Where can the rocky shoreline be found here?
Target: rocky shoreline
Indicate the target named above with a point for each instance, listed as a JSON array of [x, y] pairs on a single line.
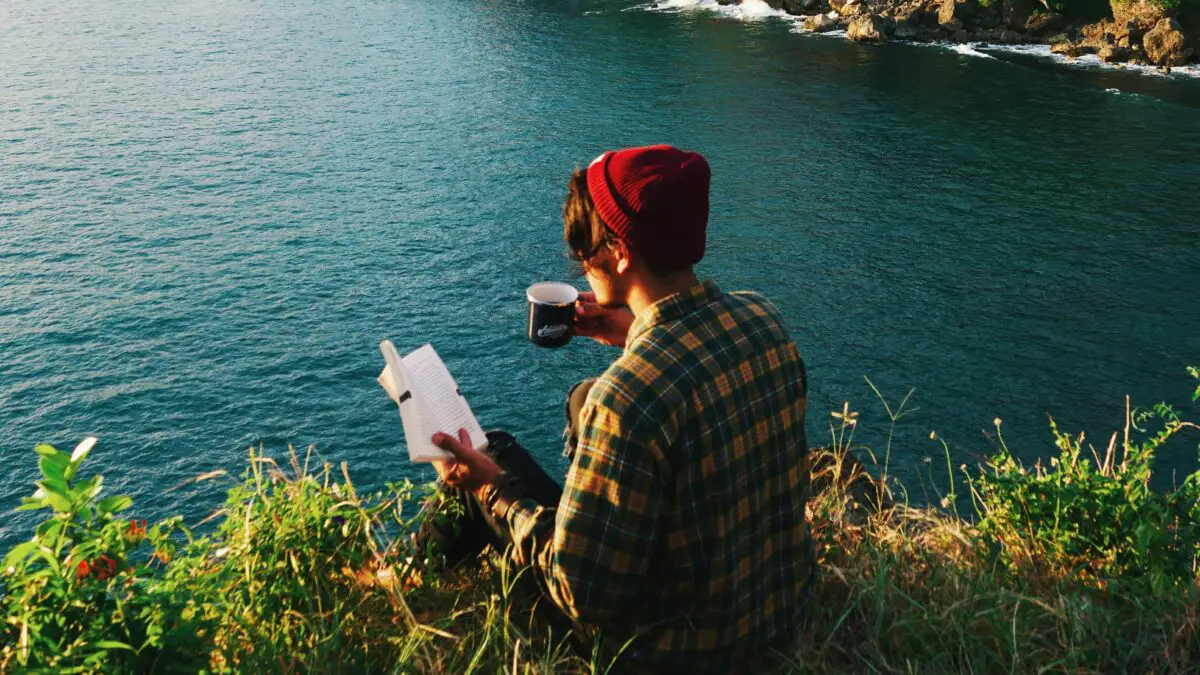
[[1138, 32]]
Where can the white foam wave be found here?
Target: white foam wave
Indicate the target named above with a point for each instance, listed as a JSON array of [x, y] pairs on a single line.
[[747, 10], [968, 49], [1091, 61]]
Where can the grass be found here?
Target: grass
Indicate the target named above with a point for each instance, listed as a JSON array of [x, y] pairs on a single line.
[[1074, 565]]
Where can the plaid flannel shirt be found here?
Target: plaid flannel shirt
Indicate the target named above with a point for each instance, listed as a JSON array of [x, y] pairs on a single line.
[[682, 519]]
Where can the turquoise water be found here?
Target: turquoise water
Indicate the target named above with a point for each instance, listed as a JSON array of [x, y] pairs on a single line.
[[212, 211]]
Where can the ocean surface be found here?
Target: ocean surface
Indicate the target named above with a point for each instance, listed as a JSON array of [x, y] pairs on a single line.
[[212, 211]]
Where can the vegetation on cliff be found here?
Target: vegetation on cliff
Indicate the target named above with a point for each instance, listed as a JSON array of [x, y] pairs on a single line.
[[1075, 564]]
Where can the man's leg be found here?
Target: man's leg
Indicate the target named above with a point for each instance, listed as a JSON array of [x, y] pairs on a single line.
[[460, 528]]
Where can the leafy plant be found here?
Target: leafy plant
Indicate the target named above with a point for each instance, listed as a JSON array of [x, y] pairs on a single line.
[[1093, 513], [75, 594]]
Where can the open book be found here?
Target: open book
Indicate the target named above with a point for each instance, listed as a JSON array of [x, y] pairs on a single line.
[[429, 401]]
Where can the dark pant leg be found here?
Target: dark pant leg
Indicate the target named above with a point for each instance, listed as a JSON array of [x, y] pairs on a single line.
[[460, 528]]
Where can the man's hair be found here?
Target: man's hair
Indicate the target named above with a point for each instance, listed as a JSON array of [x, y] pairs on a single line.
[[585, 231], [583, 228]]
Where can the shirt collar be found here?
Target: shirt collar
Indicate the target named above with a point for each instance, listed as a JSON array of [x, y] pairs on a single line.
[[674, 307]]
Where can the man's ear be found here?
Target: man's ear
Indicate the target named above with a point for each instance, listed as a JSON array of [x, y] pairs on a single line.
[[620, 253]]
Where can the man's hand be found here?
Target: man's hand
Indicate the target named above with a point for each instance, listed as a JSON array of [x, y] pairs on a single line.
[[470, 469], [606, 325]]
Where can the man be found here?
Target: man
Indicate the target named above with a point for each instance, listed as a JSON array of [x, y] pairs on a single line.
[[680, 533]]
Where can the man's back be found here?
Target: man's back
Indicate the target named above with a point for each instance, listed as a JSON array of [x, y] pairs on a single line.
[[685, 502]]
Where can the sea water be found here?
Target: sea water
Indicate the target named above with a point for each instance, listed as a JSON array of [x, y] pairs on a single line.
[[212, 211]]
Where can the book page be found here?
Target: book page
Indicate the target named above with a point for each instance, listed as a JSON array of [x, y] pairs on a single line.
[[446, 409], [414, 415]]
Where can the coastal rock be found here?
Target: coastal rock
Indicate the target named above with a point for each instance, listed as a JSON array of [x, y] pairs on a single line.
[[929, 35], [1014, 13], [1113, 53], [867, 28], [1141, 12], [729, 2], [801, 7], [1166, 45], [1071, 50], [820, 23], [961, 36], [905, 31], [854, 8], [1126, 34], [1041, 24], [956, 14], [1011, 37]]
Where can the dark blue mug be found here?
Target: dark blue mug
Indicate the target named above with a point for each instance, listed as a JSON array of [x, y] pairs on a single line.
[[551, 313]]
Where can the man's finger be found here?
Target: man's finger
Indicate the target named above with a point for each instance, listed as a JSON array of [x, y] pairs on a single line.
[[464, 438], [449, 444], [587, 310], [587, 296]]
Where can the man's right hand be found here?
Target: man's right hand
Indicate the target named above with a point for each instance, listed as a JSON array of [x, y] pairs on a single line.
[[606, 325]]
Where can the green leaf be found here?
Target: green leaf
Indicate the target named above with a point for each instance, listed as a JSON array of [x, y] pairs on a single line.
[[78, 455], [32, 503], [58, 485], [112, 644], [91, 488], [46, 450], [19, 553], [50, 529], [57, 500], [54, 466], [114, 503]]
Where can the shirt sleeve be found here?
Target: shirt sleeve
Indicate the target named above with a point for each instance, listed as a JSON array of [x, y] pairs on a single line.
[[592, 552]]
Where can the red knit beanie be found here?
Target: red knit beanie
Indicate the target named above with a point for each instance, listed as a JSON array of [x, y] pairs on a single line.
[[655, 198]]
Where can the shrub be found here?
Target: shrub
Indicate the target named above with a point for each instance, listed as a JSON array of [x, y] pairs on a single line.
[[1095, 514], [77, 596], [302, 574]]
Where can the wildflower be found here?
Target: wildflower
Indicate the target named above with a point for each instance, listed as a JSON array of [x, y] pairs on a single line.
[[101, 568], [945, 502], [163, 555], [137, 531], [1053, 461], [105, 568], [996, 422], [928, 459], [933, 435], [848, 418]]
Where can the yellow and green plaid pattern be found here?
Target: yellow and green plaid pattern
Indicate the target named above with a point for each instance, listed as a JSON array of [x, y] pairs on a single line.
[[682, 519]]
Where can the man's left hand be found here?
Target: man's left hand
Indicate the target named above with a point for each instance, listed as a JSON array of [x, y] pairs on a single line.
[[470, 469]]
